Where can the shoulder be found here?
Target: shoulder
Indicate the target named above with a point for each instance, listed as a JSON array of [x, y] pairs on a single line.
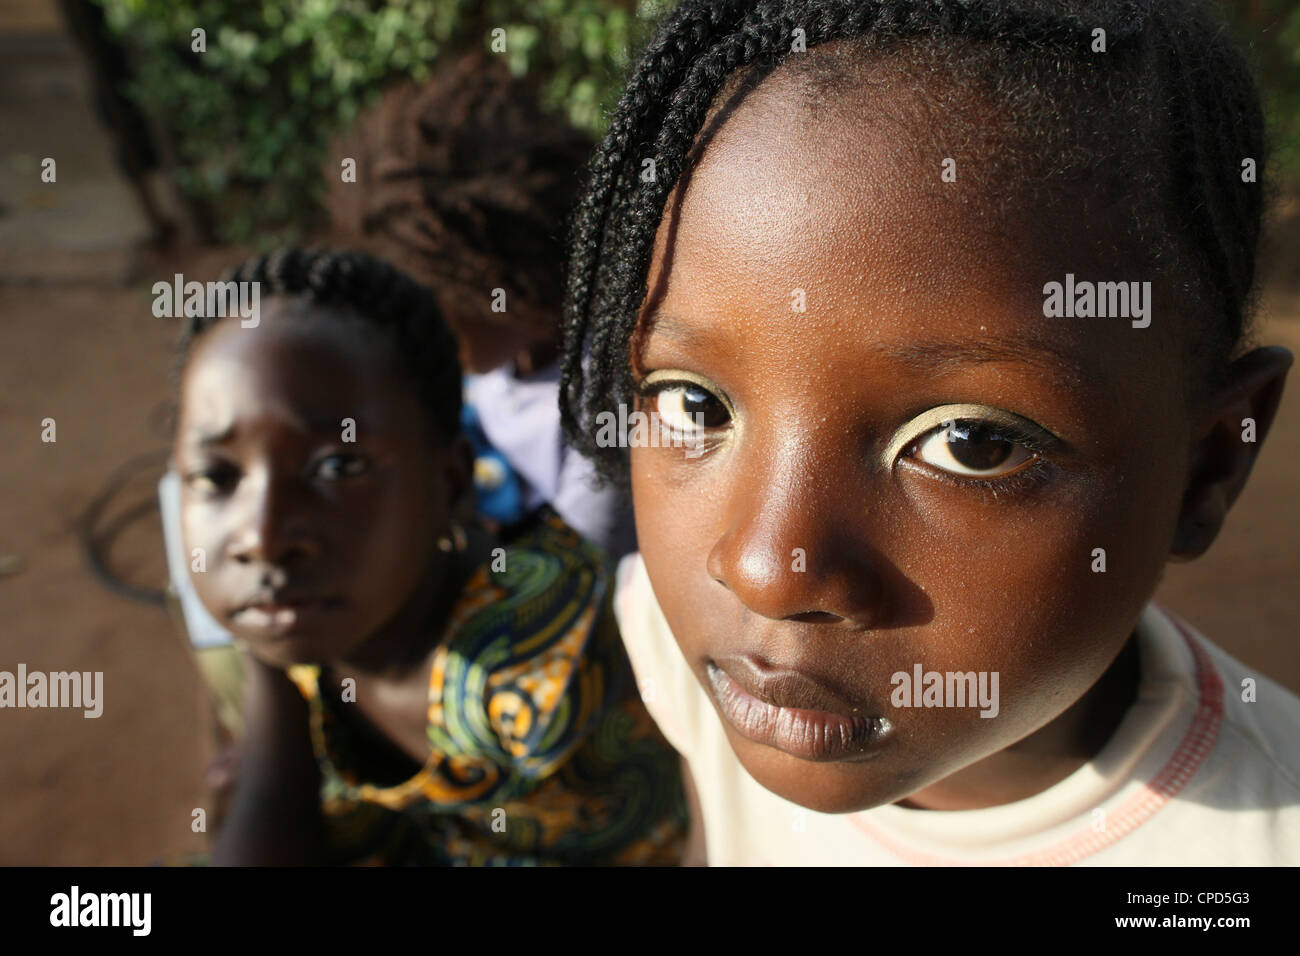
[[525, 409], [1235, 775], [532, 658], [550, 568], [1261, 719]]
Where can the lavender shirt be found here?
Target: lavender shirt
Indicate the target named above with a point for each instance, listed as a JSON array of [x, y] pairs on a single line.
[[521, 418]]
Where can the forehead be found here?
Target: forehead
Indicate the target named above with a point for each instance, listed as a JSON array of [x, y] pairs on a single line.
[[303, 365], [846, 206]]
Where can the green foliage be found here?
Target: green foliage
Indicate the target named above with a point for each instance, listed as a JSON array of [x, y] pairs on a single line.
[[1269, 31], [251, 117]]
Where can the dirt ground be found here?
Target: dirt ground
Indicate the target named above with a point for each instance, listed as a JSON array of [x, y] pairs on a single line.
[[80, 345]]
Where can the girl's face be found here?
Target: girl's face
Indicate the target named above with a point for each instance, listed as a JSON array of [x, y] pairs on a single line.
[[828, 302], [310, 481]]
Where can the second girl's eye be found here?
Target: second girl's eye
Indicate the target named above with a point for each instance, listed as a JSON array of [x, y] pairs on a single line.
[[687, 407], [213, 479], [336, 467], [976, 448]]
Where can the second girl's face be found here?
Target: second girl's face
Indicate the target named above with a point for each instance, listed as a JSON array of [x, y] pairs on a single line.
[[311, 481], [905, 464]]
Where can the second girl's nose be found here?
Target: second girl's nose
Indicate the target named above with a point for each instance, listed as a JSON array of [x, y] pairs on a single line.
[[273, 527]]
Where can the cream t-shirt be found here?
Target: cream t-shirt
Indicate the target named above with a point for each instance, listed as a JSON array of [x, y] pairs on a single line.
[[1193, 775]]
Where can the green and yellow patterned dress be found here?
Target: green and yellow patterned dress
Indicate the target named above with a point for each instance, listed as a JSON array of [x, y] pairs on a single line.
[[542, 750]]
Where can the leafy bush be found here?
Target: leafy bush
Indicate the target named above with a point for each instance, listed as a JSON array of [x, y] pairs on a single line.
[[1269, 30], [249, 119]]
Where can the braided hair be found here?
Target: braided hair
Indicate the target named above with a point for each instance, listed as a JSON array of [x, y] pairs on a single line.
[[1149, 138], [378, 293], [467, 182]]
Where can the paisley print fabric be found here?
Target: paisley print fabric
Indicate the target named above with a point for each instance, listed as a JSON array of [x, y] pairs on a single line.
[[542, 752]]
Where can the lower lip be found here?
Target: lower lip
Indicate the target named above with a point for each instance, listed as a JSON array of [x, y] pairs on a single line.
[[806, 734], [278, 620]]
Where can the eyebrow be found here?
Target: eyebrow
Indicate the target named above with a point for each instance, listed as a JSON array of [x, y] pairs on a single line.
[[939, 357], [933, 357], [208, 439]]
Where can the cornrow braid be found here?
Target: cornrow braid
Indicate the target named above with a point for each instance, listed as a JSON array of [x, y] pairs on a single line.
[[1169, 58], [380, 294]]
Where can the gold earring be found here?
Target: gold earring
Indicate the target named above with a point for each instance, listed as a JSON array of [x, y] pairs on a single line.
[[458, 541]]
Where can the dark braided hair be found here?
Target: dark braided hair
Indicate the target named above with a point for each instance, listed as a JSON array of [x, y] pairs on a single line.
[[1147, 138], [466, 180], [376, 292]]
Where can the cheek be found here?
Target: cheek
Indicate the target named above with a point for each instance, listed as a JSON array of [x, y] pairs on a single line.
[[201, 528], [673, 527], [651, 497], [1017, 584], [1044, 591], [196, 528], [389, 532]]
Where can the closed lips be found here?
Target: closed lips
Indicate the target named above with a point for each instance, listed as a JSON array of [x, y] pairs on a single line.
[[283, 613], [284, 601], [785, 686], [793, 713]]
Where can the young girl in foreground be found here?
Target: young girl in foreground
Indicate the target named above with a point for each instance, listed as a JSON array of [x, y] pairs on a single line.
[[894, 604], [414, 692]]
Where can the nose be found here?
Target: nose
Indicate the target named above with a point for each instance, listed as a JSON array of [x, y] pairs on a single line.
[[794, 545], [273, 528]]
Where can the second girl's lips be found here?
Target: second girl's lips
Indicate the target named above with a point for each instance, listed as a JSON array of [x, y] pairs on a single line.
[[282, 613], [793, 712]]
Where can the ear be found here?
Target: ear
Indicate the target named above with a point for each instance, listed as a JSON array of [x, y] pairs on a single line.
[[1224, 453]]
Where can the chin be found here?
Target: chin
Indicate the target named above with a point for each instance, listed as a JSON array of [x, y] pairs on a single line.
[[269, 654], [285, 652], [843, 787]]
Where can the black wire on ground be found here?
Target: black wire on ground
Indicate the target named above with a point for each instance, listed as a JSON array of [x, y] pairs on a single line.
[[97, 541]]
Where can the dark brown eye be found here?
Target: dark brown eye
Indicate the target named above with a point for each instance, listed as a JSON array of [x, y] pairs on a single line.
[[337, 467], [689, 408], [972, 448], [213, 479]]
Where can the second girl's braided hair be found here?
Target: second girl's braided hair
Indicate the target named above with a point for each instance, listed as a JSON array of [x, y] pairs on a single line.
[[387, 298], [1151, 135]]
